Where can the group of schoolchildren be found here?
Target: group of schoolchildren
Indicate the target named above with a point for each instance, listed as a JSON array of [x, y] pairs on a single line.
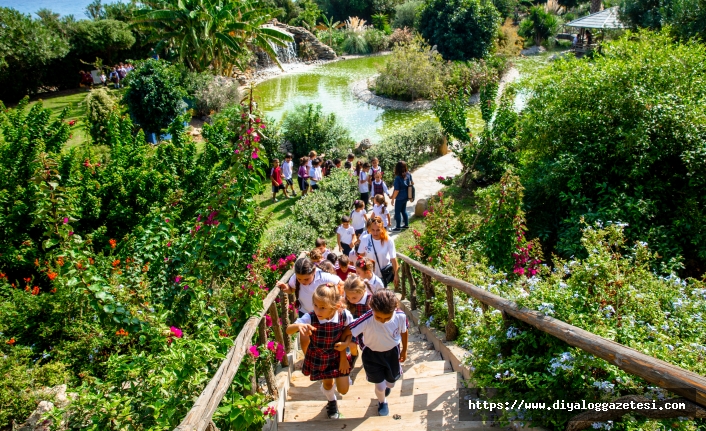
[[117, 74], [346, 312]]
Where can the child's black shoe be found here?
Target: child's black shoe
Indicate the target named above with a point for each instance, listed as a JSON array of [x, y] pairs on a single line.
[[332, 410]]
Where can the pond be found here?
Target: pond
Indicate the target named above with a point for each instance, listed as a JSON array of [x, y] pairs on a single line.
[[330, 86]]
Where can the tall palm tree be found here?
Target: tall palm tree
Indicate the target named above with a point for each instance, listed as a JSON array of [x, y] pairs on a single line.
[[211, 33]]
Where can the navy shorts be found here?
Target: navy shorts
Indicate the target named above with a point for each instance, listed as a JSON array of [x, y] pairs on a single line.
[[289, 181], [303, 184], [276, 188], [382, 366]]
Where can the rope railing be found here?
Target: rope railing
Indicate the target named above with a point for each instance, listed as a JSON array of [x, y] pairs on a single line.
[[677, 380], [199, 418]]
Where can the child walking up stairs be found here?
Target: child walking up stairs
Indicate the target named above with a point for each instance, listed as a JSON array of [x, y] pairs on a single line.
[[426, 396]]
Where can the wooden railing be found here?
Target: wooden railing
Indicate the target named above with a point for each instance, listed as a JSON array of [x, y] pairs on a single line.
[[200, 416], [677, 380]]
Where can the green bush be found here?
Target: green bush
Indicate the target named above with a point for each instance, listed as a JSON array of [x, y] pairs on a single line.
[[214, 93], [539, 25], [322, 210], [307, 128], [461, 29], [291, 238], [415, 145], [101, 109], [154, 96], [355, 42], [684, 18], [412, 72], [620, 138], [405, 14], [377, 40]]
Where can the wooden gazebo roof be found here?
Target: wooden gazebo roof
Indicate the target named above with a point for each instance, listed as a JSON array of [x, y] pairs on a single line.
[[605, 19]]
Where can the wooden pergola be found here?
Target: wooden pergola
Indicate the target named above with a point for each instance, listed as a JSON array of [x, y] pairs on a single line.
[[606, 19]]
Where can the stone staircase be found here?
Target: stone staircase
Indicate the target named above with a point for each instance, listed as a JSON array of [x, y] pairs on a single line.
[[426, 396]]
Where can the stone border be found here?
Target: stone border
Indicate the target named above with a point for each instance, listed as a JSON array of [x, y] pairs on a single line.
[[362, 92]]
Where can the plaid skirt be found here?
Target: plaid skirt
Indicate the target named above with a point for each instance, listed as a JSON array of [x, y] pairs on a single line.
[[322, 361]]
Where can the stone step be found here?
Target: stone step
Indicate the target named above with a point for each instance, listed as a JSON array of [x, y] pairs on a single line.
[[365, 389]]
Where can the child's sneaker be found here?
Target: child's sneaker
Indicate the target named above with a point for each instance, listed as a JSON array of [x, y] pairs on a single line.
[[332, 410], [383, 410]]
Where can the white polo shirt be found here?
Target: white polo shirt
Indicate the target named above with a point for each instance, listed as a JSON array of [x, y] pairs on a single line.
[[346, 234], [380, 337], [347, 317], [385, 252], [306, 291]]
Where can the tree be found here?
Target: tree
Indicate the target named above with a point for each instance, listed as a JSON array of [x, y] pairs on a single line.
[[539, 25], [687, 18], [461, 29], [307, 12], [26, 46], [153, 96], [406, 13], [328, 25], [102, 38], [211, 33]]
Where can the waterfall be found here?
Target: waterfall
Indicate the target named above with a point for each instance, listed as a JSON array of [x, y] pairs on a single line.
[[287, 53]]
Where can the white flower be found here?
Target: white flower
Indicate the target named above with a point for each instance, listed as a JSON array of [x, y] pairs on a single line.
[[498, 376], [604, 386], [546, 308], [512, 332]]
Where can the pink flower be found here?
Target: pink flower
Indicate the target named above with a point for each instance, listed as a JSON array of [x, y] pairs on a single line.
[[249, 131], [256, 138], [426, 213], [268, 320], [177, 279], [176, 331], [254, 155], [237, 151], [520, 271], [252, 351], [257, 120], [273, 267], [166, 220], [271, 346], [169, 244], [279, 354], [71, 232], [186, 286], [262, 126], [66, 220]]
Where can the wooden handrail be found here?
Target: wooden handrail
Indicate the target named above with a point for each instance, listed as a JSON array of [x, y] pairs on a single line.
[[199, 417], [678, 380]]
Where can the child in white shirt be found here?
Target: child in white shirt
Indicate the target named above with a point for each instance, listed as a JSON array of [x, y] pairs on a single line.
[[287, 171], [345, 235], [380, 210], [359, 217], [315, 174]]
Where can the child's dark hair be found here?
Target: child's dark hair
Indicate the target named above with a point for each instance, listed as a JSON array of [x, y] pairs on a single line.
[[315, 255], [320, 242], [288, 156], [303, 160], [275, 161], [345, 219], [336, 161], [365, 264], [366, 165], [316, 162], [350, 156], [358, 167], [384, 301], [331, 258], [380, 199], [327, 266], [304, 266], [347, 165], [358, 204], [343, 261]]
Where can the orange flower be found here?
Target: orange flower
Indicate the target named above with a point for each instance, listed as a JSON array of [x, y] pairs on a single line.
[[52, 275], [112, 243], [11, 341], [27, 289], [36, 262], [35, 290], [27, 279], [60, 261], [121, 333], [91, 260], [53, 290], [116, 262], [2, 275], [79, 265], [146, 268]]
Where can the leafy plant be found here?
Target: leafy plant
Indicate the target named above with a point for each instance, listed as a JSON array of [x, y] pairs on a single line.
[[461, 29], [377, 40], [307, 128], [405, 14], [329, 25], [539, 25], [401, 36], [355, 42], [101, 110]]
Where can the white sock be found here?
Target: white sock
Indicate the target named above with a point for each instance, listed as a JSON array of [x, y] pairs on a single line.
[[330, 394], [380, 391]]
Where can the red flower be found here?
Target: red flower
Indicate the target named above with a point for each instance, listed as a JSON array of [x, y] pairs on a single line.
[[115, 263], [35, 290], [52, 275], [11, 341], [121, 333], [112, 243]]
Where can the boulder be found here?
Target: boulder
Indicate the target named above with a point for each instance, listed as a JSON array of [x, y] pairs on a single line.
[[362, 146], [420, 207], [35, 421], [533, 50]]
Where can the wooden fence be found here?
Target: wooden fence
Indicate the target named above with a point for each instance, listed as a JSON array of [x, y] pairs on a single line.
[[677, 380]]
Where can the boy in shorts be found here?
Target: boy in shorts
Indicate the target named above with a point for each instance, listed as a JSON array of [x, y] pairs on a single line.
[[276, 177], [287, 170]]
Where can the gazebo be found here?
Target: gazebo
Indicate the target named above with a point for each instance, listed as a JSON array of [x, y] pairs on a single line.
[[606, 19]]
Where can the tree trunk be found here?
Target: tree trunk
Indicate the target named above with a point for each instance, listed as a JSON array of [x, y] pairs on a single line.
[[596, 6]]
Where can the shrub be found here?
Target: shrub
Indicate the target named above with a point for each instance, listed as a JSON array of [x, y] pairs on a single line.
[[322, 210], [412, 72], [405, 14], [415, 145], [461, 29], [290, 238], [401, 36], [307, 128], [620, 138], [377, 40], [471, 75], [215, 93], [509, 42], [354, 42], [100, 109], [153, 96], [539, 25]]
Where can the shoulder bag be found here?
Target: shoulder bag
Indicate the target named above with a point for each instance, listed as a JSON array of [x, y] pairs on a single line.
[[388, 272], [410, 188]]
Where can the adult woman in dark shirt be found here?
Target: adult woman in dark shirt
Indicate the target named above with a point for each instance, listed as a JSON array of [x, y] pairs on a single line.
[[403, 179]]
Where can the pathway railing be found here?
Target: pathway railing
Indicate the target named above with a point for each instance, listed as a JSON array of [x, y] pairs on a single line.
[[677, 380], [200, 417]]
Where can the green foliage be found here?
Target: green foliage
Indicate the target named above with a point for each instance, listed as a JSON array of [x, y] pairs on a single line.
[[451, 112], [412, 72], [685, 18], [209, 34], [355, 42], [307, 128], [539, 25], [153, 97], [506, 7], [291, 238], [215, 93], [308, 12], [461, 29], [25, 47], [103, 37], [620, 138], [321, 211], [405, 14], [377, 40], [509, 42], [101, 109], [415, 145], [496, 150]]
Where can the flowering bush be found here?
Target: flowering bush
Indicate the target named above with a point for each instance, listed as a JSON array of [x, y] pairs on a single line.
[[447, 181]]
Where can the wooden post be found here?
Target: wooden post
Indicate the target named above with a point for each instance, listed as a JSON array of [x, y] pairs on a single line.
[[269, 374], [451, 329], [287, 322], [277, 329], [412, 288], [403, 281], [292, 313], [426, 281]]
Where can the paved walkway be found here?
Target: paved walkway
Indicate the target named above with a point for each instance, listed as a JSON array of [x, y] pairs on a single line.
[[425, 183]]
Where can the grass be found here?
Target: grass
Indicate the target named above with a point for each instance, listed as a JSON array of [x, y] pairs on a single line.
[[281, 211]]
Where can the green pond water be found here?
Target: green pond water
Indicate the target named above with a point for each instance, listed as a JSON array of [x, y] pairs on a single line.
[[330, 86]]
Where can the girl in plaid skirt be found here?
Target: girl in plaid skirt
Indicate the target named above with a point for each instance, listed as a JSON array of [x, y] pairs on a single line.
[[326, 358], [358, 295]]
